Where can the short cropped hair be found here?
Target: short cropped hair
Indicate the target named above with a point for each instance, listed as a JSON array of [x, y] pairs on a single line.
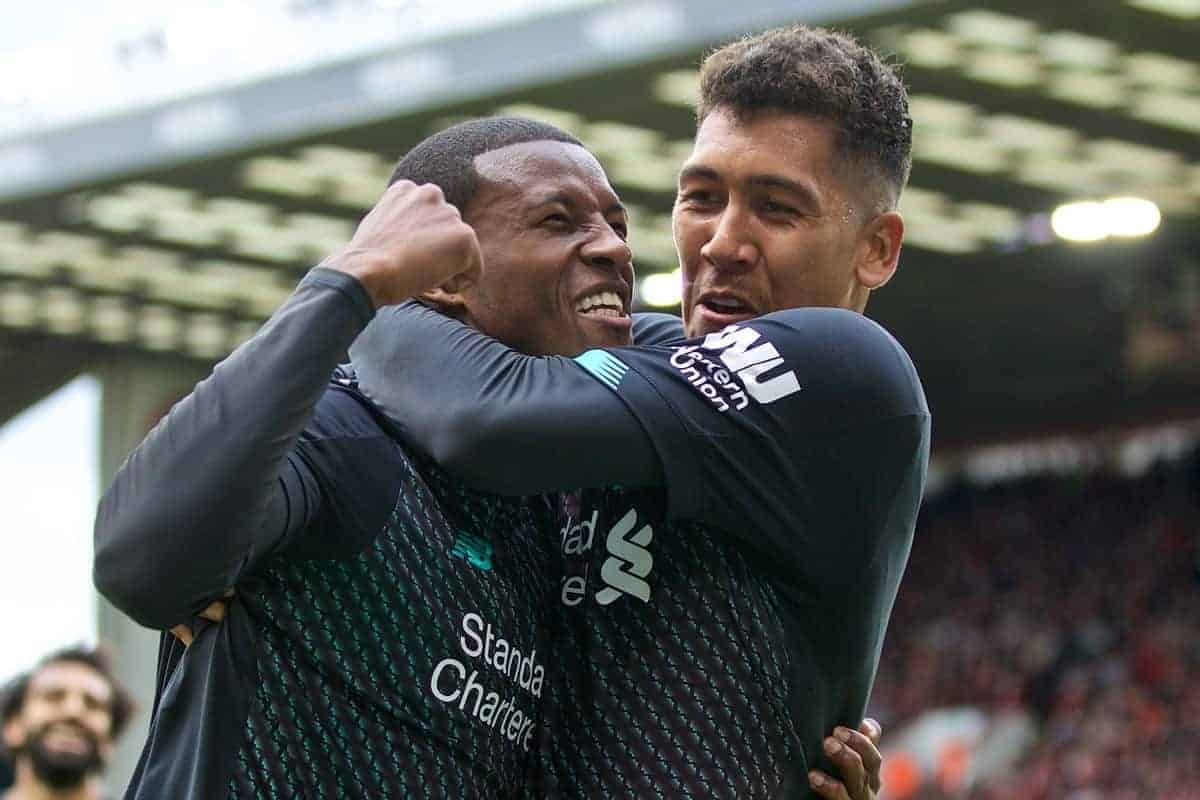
[[12, 696], [447, 158], [823, 74]]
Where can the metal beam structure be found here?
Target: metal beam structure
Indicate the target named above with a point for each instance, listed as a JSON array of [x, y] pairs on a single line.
[[585, 38], [176, 229]]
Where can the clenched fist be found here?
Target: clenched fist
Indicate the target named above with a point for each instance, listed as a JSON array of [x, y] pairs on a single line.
[[411, 241]]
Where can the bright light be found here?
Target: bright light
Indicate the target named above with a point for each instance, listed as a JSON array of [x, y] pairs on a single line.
[[661, 290], [1091, 221], [1079, 222], [1131, 216]]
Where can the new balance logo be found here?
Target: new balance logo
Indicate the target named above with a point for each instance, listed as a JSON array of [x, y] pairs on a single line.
[[472, 549], [605, 367], [629, 563]]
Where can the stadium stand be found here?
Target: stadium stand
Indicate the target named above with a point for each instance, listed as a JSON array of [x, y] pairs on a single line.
[[1074, 602]]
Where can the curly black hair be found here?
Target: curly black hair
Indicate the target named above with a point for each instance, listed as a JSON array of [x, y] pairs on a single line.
[[824, 74], [447, 158]]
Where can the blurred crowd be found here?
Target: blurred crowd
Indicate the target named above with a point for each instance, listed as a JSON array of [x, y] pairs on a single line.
[[1076, 600]]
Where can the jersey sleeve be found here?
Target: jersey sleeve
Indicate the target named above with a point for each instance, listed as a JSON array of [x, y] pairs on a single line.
[[652, 328], [738, 425], [498, 420], [745, 418], [354, 467], [221, 482]]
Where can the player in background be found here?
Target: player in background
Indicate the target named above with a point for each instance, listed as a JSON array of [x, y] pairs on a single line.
[[60, 722], [387, 637], [714, 631]]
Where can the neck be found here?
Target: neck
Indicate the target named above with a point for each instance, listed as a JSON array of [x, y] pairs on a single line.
[[29, 787], [857, 299]]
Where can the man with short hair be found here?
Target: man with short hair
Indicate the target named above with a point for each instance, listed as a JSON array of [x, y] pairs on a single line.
[[387, 637], [390, 631], [60, 721], [715, 631]]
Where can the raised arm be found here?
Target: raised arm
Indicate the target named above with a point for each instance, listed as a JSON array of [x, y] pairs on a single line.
[[218, 484], [212, 488]]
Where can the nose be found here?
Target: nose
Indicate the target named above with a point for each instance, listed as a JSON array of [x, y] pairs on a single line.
[[731, 247], [73, 705], [607, 250]]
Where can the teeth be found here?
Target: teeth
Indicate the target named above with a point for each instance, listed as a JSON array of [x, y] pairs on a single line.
[[725, 302], [606, 304]]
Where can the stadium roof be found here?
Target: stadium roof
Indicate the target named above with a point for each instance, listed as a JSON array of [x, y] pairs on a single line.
[[176, 228]]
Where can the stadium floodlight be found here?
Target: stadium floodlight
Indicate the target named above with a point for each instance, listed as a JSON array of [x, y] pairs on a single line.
[[206, 336], [1130, 216], [1092, 221], [1159, 71], [1003, 68], [1182, 9], [1079, 222], [158, 327], [1029, 135], [930, 48], [679, 87], [18, 306], [1174, 109], [1078, 51], [661, 289], [111, 320], [63, 308], [1087, 88]]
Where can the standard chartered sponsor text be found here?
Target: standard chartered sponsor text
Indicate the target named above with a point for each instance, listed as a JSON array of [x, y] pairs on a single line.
[[458, 681]]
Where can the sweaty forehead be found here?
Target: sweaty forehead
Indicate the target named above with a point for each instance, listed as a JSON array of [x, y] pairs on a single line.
[[531, 169]]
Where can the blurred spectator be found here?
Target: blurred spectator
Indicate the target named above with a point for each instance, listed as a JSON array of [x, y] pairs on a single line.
[[60, 722], [1076, 600]]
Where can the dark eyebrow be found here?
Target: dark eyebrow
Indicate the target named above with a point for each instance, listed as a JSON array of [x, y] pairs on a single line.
[[698, 172], [764, 180], [565, 199], [779, 182]]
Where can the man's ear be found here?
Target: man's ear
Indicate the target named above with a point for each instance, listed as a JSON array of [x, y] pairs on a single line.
[[450, 297], [879, 249], [13, 738]]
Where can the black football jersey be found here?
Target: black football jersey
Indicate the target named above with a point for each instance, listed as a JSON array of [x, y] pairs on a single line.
[[748, 504]]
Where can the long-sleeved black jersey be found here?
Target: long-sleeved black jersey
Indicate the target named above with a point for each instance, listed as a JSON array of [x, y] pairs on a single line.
[[387, 638], [714, 629]]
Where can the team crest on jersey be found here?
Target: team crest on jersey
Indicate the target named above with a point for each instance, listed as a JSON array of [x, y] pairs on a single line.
[[624, 571], [629, 561]]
